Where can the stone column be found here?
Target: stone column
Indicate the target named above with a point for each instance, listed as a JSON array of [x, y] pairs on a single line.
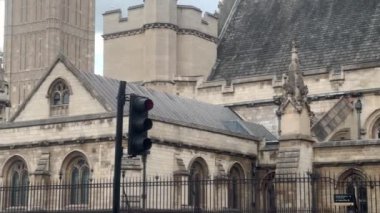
[[181, 181], [295, 154], [39, 194]]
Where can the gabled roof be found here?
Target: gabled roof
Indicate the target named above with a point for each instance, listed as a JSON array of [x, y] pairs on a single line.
[[167, 108], [329, 33]]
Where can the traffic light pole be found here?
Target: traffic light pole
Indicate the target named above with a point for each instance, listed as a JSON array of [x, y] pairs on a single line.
[[118, 147]]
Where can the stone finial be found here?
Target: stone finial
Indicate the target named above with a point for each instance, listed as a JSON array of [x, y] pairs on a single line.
[[294, 88]]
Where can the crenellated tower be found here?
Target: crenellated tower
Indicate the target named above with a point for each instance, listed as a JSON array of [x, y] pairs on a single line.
[[37, 31], [159, 41]]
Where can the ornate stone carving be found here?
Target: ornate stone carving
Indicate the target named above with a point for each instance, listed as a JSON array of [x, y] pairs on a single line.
[[294, 89]]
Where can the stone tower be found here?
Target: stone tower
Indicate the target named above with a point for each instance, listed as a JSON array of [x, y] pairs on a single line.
[[4, 95], [36, 31], [160, 41]]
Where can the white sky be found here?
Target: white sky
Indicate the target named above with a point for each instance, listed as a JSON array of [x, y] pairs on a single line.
[[105, 5]]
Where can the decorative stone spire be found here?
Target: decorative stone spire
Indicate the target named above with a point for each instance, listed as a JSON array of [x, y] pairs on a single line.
[[293, 103], [294, 89]]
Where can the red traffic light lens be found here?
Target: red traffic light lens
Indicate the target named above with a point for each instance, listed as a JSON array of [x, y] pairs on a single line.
[[149, 104]]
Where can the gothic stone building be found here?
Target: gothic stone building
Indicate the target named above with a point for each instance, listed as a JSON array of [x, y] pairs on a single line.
[[338, 59], [307, 70]]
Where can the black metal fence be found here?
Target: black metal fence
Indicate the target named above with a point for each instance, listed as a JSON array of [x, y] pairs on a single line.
[[285, 193]]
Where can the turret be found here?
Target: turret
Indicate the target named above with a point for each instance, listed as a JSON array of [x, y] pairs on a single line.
[[159, 41]]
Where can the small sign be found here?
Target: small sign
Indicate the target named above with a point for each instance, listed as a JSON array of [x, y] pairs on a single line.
[[345, 199]]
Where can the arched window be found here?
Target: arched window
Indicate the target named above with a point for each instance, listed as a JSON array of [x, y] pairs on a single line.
[[268, 193], [236, 187], [18, 181], [76, 175], [197, 186], [59, 97], [353, 182], [376, 130], [79, 181]]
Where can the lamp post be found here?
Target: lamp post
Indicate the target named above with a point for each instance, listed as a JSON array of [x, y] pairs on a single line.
[[359, 107]]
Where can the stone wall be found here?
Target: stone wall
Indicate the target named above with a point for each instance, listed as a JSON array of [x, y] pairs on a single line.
[[94, 138]]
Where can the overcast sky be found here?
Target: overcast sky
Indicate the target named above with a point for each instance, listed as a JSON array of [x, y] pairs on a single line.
[[105, 5]]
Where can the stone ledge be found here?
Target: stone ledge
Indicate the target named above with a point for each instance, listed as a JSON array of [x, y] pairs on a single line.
[[350, 143], [348, 163], [298, 137]]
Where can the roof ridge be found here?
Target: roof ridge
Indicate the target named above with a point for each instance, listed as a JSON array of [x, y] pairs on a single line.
[[228, 21]]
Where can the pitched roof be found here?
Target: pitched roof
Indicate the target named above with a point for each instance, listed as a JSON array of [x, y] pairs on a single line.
[[168, 108], [329, 33]]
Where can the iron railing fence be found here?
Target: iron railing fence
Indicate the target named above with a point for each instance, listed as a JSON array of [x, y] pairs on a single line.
[[284, 193]]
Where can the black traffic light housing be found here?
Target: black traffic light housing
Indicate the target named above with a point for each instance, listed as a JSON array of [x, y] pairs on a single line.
[[139, 124]]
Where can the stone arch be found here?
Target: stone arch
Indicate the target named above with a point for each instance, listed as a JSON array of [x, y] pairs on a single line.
[[267, 192], [349, 172], [16, 176], [267, 177], [202, 162], [57, 80], [236, 188], [239, 168], [199, 173], [354, 182], [371, 123], [58, 97], [9, 162], [70, 157], [76, 171], [342, 134]]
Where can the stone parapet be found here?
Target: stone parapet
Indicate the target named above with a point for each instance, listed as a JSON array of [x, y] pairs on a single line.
[[185, 18]]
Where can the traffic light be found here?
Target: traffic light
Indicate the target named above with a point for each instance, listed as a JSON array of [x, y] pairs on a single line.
[[139, 124]]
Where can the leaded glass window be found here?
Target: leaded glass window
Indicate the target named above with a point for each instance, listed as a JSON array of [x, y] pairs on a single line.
[[19, 182], [236, 178], [80, 179]]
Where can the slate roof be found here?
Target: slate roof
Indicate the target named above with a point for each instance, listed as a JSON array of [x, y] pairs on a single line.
[[167, 108], [260, 131], [329, 33]]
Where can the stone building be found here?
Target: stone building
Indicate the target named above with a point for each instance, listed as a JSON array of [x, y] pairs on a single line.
[[337, 44], [285, 88], [70, 116], [36, 32]]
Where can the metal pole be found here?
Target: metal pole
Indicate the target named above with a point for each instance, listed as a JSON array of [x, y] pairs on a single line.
[[359, 127], [144, 180], [118, 147]]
